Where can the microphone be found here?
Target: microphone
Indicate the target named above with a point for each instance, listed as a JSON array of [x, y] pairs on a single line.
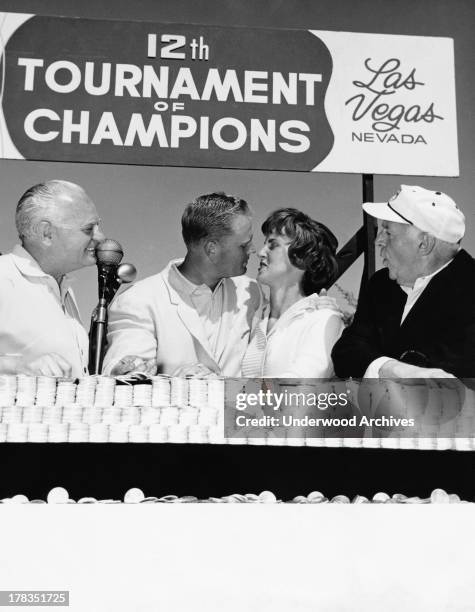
[[111, 275], [126, 273], [109, 254]]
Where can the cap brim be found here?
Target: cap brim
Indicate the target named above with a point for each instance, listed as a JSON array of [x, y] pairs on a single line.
[[381, 210]]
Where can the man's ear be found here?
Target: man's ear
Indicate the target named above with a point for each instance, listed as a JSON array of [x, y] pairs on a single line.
[[426, 243], [210, 247], [44, 231]]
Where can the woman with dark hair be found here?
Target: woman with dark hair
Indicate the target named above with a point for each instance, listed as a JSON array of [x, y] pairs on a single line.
[[295, 335]]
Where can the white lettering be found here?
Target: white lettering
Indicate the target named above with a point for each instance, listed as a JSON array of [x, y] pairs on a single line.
[[74, 72], [30, 64], [104, 87], [251, 86], [310, 80], [82, 128], [232, 145], [146, 135], [30, 120], [259, 135], [127, 76], [107, 130], [177, 132], [282, 89], [287, 131], [223, 87], [185, 85]]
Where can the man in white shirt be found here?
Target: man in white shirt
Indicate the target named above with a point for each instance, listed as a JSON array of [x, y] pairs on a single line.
[[40, 327], [194, 317], [417, 316]]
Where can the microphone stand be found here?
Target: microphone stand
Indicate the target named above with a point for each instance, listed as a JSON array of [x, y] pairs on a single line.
[[111, 274], [99, 324]]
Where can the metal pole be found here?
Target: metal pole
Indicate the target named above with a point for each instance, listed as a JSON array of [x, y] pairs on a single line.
[[370, 229]]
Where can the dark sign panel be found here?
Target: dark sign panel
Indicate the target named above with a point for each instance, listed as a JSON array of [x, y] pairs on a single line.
[[187, 95]]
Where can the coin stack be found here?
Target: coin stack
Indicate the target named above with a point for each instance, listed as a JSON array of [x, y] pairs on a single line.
[[216, 434], [90, 414], [160, 391], [26, 390], [123, 395], [52, 414], [315, 442], [142, 395], [105, 391], [65, 392], [72, 413], [188, 416], [86, 391], [178, 392], [8, 387], [118, 432], [98, 432], [208, 417], [32, 414], [464, 432], [58, 432], [130, 415], [78, 432], [369, 442], [169, 416], [46, 391], [273, 440], [138, 433], [260, 440], [148, 416], [197, 392], [109, 415], [17, 432], [12, 414], [158, 433], [178, 434], [216, 393], [37, 432], [104, 401], [444, 443], [198, 434]]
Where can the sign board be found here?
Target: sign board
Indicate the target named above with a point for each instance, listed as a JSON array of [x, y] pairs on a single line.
[[189, 95]]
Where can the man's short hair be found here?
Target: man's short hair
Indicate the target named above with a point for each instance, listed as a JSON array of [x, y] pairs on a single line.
[[211, 215], [36, 203]]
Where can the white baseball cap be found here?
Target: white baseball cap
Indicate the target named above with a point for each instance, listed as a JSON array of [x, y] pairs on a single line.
[[433, 212]]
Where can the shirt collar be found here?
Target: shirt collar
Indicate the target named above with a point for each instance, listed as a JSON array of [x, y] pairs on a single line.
[[304, 304], [422, 281], [184, 286], [28, 266]]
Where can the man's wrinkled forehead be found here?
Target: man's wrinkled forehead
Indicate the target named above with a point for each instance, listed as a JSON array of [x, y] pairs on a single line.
[[75, 205], [409, 232]]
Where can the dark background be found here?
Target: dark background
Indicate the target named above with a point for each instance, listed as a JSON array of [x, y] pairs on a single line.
[[107, 471]]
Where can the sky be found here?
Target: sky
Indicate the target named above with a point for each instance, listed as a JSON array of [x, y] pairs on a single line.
[[141, 206]]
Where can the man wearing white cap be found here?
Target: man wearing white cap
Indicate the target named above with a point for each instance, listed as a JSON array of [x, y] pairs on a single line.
[[417, 316]]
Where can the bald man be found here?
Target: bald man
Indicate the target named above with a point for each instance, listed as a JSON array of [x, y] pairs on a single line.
[[40, 327]]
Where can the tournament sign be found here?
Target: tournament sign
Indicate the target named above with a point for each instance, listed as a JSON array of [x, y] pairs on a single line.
[[123, 92]]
